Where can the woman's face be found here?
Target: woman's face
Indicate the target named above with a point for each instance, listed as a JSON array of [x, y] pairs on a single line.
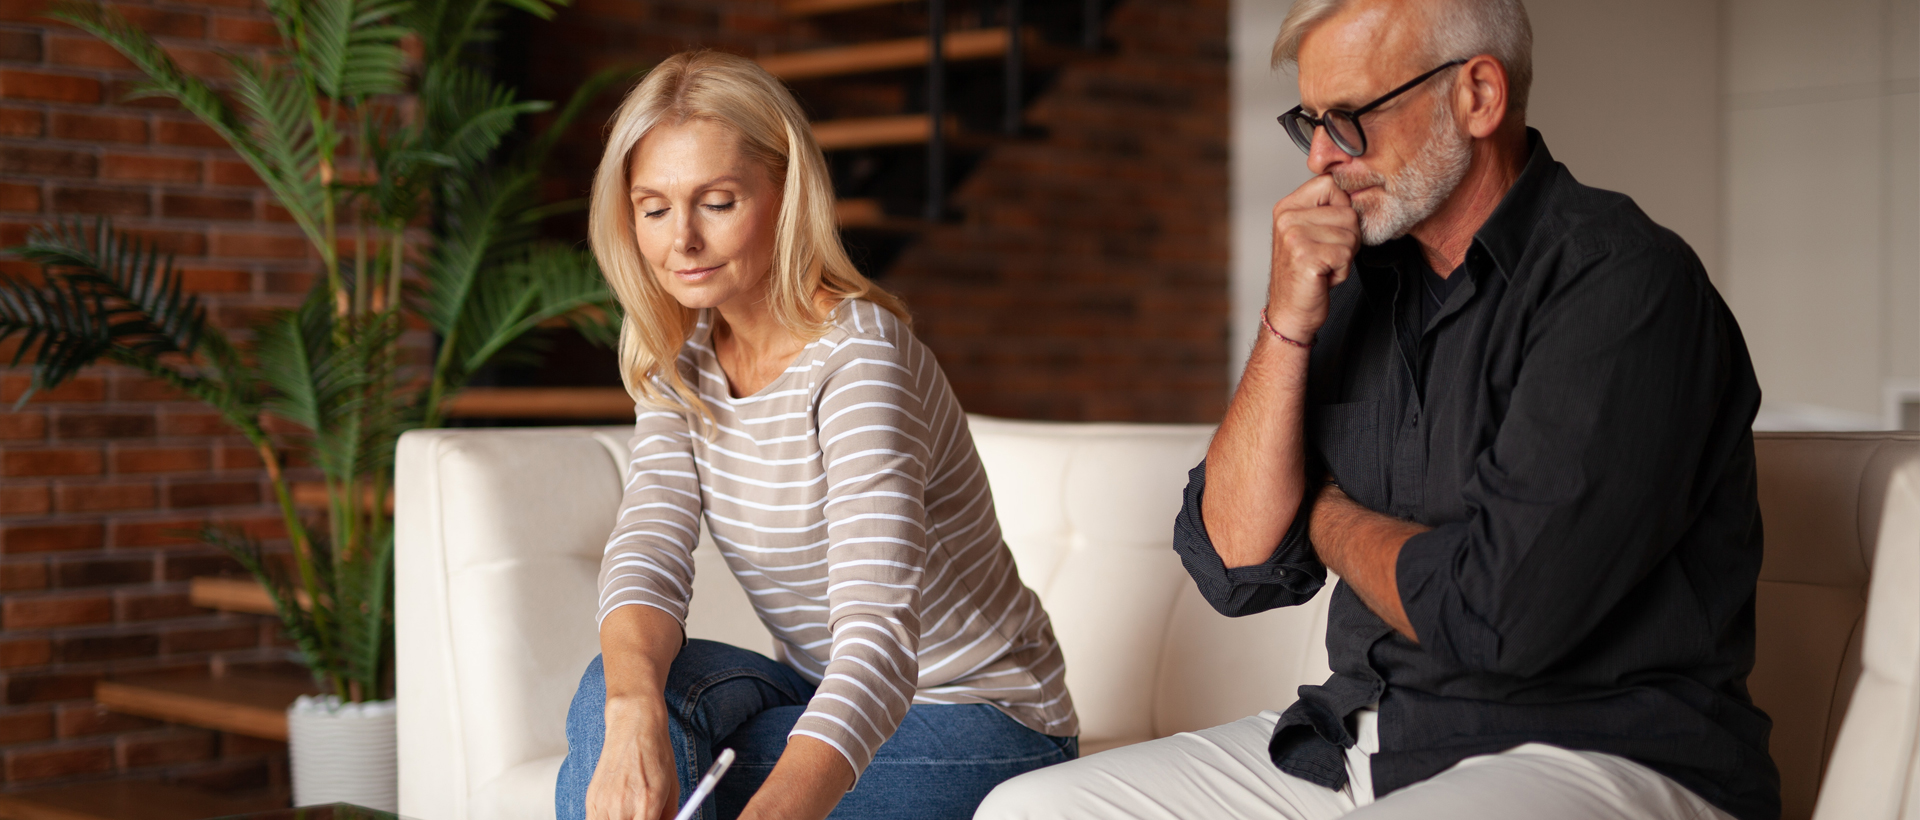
[[703, 213]]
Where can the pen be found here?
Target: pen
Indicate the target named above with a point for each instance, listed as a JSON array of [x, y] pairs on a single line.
[[706, 785]]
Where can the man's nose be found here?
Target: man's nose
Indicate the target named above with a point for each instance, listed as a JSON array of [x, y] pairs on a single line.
[[1323, 154]]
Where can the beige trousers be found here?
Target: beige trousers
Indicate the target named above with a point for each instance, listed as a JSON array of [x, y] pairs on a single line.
[[1223, 772]]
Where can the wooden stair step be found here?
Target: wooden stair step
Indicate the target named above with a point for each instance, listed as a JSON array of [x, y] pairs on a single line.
[[124, 799], [886, 55], [233, 595], [584, 403], [244, 704], [807, 8], [876, 132]]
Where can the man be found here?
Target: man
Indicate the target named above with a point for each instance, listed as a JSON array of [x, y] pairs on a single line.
[[1513, 416]]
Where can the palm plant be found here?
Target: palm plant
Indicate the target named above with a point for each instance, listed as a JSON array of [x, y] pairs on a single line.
[[363, 146]]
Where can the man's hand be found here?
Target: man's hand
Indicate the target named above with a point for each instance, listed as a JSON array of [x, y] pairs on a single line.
[[1315, 235], [635, 778]]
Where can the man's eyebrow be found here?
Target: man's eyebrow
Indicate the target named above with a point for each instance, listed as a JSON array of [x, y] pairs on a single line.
[[642, 189]]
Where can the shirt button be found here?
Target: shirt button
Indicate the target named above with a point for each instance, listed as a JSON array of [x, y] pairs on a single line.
[[1413, 419]]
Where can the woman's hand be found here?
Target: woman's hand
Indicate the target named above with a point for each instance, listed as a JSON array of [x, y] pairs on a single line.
[[635, 779]]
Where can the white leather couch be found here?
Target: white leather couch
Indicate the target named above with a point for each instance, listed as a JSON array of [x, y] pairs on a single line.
[[500, 535]]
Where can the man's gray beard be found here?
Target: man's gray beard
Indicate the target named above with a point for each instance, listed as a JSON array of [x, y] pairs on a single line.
[[1412, 195]]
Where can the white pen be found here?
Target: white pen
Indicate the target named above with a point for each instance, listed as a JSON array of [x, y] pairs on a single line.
[[706, 785]]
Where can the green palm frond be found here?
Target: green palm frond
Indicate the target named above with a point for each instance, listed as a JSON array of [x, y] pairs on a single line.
[[351, 48], [366, 627], [552, 282], [287, 157], [318, 384], [108, 296], [468, 113], [304, 622]]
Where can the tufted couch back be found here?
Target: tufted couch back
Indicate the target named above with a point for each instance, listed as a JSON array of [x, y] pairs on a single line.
[[501, 532]]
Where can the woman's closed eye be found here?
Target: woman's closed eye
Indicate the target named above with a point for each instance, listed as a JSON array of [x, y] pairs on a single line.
[[719, 207], [655, 214]]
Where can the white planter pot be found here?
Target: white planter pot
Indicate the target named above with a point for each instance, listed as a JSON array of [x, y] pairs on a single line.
[[343, 753]]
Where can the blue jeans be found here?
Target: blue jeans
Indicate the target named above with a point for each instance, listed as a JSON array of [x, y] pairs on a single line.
[[939, 764]]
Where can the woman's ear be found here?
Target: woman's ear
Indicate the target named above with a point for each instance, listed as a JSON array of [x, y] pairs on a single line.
[[1482, 90]]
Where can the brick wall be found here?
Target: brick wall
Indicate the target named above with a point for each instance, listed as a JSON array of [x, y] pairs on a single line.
[[1088, 279], [97, 477]]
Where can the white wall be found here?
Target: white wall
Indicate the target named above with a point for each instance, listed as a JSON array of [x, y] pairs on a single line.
[[1723, 120], [1823, 266]]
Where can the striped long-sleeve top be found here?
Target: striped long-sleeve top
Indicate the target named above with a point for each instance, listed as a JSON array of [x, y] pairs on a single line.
[[850, 504]]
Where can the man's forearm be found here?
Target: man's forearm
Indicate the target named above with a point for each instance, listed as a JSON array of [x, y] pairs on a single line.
[[1256, 465], [1363, 547]]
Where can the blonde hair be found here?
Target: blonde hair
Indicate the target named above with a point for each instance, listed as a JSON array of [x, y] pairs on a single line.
[[807, 256], [1455, 29]]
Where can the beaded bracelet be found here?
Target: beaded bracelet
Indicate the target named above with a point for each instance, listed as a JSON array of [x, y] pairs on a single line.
[[1306, 345]]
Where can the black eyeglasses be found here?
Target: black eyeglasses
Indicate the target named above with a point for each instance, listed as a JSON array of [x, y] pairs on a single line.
[[1344, 126]]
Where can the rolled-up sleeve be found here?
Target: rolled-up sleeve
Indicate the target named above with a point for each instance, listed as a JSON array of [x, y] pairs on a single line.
[[1290, 576], [1592, 476]]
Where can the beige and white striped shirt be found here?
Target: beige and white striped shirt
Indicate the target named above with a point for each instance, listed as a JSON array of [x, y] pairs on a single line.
[[848, 500]]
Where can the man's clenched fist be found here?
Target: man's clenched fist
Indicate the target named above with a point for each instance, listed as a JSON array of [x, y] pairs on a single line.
[[1315, 235]]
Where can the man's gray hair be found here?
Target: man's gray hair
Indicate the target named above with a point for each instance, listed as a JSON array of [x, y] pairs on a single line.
[[1458, 28]]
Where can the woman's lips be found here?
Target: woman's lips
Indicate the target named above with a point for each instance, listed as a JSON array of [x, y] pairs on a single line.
[[695, 274]]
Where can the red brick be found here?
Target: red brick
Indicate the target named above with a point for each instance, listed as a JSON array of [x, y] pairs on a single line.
[[93, 648], [162, 533], [17, 539], [149, 169], [212, 494], [16, 576], [183, 567], [238, 636], [99, 128], [50, 462], [231, 457], [23, 426], [273, 212], [216, 280], [103, 425], [161, 459], [49, 162], [186, 132], [233, 172], [18, 197], [21, 122], [194, 424], [166, 23], [191, 206], [20, 46], [40, 85], [37, 763], [232, 745], [31, 652], [143, 388], [81, 720], [26, 727], [26, 11], [43, 611], [169, 746], [243, 30], [252, 245], [104, 497], [285, 282], [73, 573], [178, 243], [103, 201], [79, 388], [85, 52], [153, 606], [25, 501]]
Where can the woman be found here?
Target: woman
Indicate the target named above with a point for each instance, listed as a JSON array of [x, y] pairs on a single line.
[[782, 397]]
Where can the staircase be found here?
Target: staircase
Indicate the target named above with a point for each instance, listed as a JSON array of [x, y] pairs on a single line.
[[905, 96]]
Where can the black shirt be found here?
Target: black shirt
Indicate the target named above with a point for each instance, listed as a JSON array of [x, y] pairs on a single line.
[[1575, 424]]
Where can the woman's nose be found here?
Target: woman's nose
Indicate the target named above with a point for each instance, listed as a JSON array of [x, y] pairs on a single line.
[[686, 234]]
